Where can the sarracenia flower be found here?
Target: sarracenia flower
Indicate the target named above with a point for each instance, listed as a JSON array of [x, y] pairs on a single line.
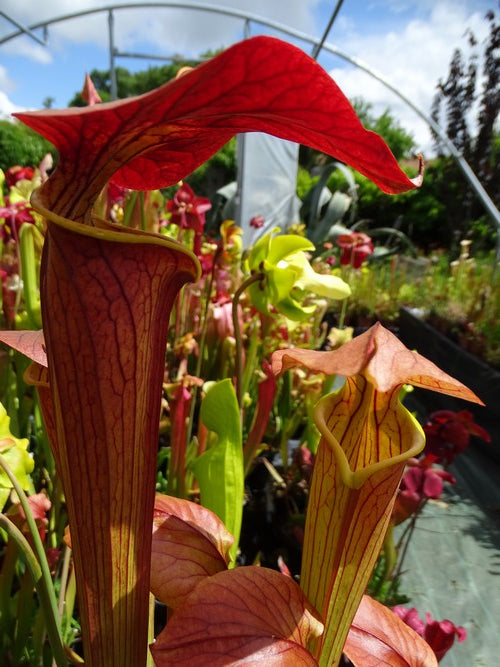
[[367, 436], [440, 635], [107, 291], [448, 433], [356, 247], [421, 481]]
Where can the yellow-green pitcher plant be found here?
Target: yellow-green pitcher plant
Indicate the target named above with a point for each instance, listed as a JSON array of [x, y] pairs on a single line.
[[367, 436]]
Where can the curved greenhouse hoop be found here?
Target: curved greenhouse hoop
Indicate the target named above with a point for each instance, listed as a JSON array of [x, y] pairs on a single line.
[[248, 18]]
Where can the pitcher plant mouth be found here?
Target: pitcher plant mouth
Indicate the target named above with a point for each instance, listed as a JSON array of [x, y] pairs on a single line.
[[356, 477], [107, 231]]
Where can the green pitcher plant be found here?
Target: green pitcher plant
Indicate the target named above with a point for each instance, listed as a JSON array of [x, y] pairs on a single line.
[[107, 291]]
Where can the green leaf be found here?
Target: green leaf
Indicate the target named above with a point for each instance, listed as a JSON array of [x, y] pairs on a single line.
[[259, 252], [14, 451], [286, 244], [219, 470]]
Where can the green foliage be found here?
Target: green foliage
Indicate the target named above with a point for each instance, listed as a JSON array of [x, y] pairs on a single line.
[[476, 138], [430, 215], [130, 83], [20, 145], [220, 413], [462, 297], [219, 170], [14, 450], [305, 181], [397, 138]]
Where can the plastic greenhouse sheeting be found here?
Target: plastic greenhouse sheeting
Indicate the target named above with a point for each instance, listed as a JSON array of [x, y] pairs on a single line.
[[267, 182]]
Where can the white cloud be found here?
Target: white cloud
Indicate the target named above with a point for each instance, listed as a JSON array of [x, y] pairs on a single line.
[[7, 107], [412, 61], [25, 46], [141, 30], [5, 83], [412, 56], [6, 86], [171, 30]]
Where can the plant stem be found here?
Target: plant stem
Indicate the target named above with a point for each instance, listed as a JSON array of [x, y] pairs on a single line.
[[27, 237], [405, 537], [45, 593], [201, 348], [64, 582], [342, 315], [43, 580], [151, 631], [254, 278]]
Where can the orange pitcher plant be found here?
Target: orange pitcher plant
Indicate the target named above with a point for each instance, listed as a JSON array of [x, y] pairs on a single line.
[[106, 295], [367, 436]]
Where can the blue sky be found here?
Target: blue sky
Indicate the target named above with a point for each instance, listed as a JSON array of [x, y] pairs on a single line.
[[409, 42]]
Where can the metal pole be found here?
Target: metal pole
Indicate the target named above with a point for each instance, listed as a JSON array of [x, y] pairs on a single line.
[[248, 16], [319, 45], [112, 71], [469, 174], [26, 30]]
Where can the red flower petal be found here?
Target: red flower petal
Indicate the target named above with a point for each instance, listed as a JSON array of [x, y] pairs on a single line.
[[412, 479], [433, 485], [440, 635]]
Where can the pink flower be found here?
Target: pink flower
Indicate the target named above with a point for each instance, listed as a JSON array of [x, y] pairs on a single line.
[[411, 618], [257, 221], [331, 260], [14, 216], [220, 323], [187, 210], [9, 287], [448, 433], [440, 635], [420, 482], [355, 247], [39, 505], [17, 173]]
